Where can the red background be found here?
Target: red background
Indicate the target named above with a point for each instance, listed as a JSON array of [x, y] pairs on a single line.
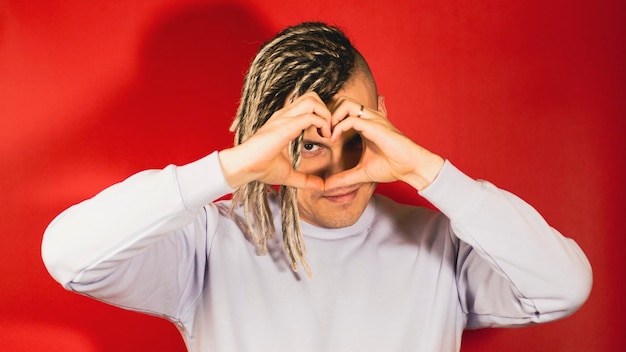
[[527, 94]]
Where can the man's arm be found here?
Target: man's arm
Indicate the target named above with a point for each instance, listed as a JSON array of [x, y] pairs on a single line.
[[144, 238], [137, 209], [139, 238], [512, 267]]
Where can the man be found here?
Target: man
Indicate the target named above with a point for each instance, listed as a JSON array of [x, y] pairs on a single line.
[[387, 277]]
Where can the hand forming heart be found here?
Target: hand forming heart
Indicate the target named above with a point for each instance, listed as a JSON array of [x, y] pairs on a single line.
[[387, 155]]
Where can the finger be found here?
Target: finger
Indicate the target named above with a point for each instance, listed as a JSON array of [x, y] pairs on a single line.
[[304, 181], [311, 103], [300, 123], [351, 123], [346, 178], [346, 108]]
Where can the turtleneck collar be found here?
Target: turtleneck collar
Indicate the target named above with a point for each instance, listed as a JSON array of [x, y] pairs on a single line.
[[359, 226]]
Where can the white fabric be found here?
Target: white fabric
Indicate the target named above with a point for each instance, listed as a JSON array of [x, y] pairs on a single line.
[[400, 279]]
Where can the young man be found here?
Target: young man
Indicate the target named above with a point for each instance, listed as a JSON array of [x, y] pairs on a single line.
[[387, 277]]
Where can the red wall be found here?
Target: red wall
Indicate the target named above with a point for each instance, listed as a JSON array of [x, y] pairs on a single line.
[[527, 94]]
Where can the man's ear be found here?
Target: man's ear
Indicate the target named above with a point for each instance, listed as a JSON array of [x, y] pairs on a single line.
[[381, 105]]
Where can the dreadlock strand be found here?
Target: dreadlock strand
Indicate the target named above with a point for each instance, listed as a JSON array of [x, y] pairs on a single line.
[[287, 222], [292, 233]]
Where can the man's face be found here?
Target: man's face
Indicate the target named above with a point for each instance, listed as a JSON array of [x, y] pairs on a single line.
[[341, 207]]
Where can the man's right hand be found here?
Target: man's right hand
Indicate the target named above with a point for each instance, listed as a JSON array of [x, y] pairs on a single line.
[[264, 157]]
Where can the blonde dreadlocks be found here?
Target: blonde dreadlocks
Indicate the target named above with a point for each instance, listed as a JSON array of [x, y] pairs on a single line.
[[303, 58]]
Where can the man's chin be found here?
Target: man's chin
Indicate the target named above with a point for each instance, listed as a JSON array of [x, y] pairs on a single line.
[[336, 209]]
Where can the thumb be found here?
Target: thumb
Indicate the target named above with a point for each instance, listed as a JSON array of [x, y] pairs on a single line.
[[304, 181], [346, 178]]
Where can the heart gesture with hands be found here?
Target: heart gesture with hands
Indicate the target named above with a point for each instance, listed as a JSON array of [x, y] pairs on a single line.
[[387, 154]]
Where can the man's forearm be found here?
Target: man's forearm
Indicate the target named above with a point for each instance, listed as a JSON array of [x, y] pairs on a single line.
[[541, 275], [137, 210]]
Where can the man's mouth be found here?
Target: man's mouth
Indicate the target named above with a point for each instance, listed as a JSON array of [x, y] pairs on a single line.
[[341, 195]]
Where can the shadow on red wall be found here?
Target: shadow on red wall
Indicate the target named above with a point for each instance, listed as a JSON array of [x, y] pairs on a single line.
[[177, 107]]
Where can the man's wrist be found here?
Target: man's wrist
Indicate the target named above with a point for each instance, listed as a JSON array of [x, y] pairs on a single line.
[[233, 169], [426, 169]]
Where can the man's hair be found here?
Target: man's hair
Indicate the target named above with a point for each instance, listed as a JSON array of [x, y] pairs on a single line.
[[303, 58]]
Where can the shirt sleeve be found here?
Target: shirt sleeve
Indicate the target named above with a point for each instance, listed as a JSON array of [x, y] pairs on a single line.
[[141, 243], [512, 267]]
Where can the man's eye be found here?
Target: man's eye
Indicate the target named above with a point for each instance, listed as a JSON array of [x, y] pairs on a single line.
[[309, 146]]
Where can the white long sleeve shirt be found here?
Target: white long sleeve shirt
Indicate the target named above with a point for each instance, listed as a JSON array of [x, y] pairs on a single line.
[[402, 278]]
